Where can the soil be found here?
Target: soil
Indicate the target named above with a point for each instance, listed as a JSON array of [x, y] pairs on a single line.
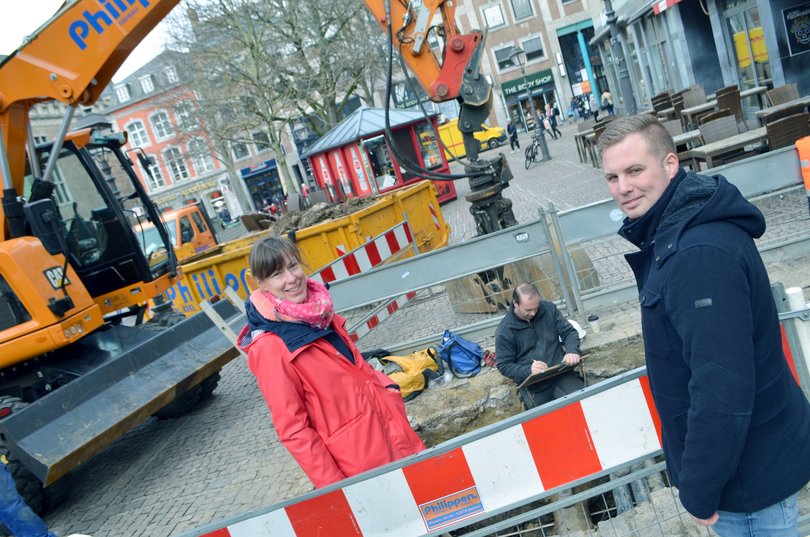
[[320, 212]]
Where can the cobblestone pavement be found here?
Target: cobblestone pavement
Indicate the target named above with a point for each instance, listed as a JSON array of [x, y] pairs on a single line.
[[224, 459]]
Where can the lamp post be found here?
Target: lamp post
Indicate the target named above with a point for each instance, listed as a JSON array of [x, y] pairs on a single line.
[[516, 52], [621, 62]]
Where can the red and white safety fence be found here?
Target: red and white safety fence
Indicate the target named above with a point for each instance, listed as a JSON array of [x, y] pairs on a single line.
[[497, 468], [378, 315], [388, 245]]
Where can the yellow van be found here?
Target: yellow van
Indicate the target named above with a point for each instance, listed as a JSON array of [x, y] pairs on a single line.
[[488, 137], [189, 231]]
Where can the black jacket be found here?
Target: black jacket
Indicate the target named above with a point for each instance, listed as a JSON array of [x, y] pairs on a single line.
[[518, 342], [736, 425]]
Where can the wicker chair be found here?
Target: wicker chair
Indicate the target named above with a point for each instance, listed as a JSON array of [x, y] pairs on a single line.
[[585, 125], [787, 111], [727, 89], [673, 126], [662, 101], [719, 129], [694, 96], [784, 132], [723, 112], [783, 94], [731, 100]]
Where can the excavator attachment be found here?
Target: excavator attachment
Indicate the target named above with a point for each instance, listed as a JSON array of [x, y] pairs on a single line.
[[491, 291], [124, 376]]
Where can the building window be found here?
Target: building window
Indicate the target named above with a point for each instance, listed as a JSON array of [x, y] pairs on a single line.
[[176, 164], [171, 74], [147, 85], [200, 156], [154, 177], [185, 117], [161, 125], [137, 134], [239, 150], [522, 9], [505, 59], [493, 15], [262, 141], [534, 49], [122, 92]]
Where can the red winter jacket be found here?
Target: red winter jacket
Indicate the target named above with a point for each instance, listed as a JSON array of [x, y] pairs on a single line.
[[336, 418]]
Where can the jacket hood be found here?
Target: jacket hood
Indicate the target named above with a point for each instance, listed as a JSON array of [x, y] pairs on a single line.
[[691, 200]]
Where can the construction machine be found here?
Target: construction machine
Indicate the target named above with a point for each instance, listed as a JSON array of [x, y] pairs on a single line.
[[73, 376], [447, 65]]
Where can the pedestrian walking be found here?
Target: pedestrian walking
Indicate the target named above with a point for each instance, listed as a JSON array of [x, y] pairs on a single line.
[[511, 130], [736, 425], [552, 112], [607, 102], [594, 107]]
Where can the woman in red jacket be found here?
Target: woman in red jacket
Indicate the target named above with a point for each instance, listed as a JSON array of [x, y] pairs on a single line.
[[335, 414]]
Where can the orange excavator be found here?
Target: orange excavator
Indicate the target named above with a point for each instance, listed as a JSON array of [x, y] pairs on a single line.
[[74, 374], [447, 65]]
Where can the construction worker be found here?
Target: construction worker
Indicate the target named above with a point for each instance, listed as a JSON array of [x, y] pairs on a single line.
[[533, 336], [736, 425]]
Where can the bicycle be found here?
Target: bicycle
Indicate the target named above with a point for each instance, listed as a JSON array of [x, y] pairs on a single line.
[[532, 150]]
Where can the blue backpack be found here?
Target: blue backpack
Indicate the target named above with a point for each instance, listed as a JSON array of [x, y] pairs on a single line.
[[462, 356]]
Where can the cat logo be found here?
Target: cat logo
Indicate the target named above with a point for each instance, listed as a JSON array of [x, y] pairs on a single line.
[[54, 276]]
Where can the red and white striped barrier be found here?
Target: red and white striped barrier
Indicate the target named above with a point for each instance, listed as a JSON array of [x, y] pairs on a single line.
[[369, 255], [434, 215], [502, 469], [366, 326]]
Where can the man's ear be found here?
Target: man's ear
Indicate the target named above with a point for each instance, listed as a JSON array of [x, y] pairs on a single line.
[[671, 164]]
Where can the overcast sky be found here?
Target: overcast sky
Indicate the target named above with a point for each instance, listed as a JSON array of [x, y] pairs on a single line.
[[22, 17]]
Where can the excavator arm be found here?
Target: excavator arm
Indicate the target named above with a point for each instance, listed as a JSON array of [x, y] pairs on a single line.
[[86, 237], [71, 59], [452, 71]]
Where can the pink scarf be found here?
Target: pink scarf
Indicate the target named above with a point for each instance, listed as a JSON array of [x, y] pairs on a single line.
[[316, 310]]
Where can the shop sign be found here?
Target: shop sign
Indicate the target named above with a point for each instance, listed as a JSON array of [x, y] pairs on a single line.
[[258, 168], [534, 80], [797, 27]]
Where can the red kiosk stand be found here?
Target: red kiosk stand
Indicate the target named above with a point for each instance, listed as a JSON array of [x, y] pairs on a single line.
[[353, 161]]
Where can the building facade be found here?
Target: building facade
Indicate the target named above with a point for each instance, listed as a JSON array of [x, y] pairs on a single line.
[[673, 44], [157, 108]]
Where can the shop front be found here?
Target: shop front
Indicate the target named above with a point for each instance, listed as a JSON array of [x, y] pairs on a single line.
[[353, 159], [540, 86], [263, 183]]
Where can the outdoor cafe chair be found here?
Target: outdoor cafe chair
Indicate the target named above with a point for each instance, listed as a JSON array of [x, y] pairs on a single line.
[[785, 131], [783, 94]]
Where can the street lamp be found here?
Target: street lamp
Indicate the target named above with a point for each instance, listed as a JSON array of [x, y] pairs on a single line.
[[622, 72], [516, 52]]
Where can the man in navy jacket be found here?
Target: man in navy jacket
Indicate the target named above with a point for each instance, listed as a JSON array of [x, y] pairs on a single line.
[[736, 426]]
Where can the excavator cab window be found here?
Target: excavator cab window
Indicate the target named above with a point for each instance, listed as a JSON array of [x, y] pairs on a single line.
[[12, 311]]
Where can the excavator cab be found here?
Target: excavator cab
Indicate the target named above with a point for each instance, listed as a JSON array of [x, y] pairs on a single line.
[[95, 197]]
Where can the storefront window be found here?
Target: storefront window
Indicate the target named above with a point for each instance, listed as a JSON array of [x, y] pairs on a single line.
[[428, 146], [748, 40]]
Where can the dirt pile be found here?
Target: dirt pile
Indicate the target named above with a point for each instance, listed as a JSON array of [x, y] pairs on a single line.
[[318, 213]]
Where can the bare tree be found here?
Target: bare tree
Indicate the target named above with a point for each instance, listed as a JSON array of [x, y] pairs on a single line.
[[260, 64]]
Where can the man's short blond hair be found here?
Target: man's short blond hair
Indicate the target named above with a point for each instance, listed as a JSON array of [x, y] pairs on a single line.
[[656, 135]]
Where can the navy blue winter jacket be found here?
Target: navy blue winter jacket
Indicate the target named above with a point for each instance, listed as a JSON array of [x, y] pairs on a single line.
[[736, 426]]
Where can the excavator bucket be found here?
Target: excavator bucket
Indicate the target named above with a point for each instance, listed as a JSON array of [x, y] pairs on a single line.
[[126, 375]]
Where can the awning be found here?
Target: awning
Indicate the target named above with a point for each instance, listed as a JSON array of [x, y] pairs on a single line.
[[663, 5]]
